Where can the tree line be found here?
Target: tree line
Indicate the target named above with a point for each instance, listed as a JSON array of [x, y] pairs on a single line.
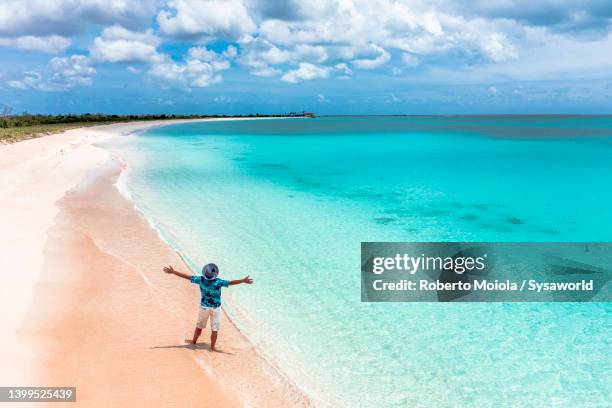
[[9, 121]]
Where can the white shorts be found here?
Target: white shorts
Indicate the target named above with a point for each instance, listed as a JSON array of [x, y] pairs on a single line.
[[215, 318]]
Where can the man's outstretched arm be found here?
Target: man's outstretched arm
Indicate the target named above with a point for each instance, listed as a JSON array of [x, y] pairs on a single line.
[[169, 269], [247, 279]]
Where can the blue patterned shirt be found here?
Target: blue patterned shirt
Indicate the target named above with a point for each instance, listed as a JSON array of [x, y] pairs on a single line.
[[211, 290]]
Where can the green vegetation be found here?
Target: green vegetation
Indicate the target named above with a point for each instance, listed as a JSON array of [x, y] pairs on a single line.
[[16, 134], [14, 128]]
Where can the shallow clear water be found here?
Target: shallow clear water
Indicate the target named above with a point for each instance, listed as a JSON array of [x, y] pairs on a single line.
[[289, 201]]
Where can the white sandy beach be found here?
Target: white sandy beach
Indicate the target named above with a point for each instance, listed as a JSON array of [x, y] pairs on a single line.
[[84, 300]]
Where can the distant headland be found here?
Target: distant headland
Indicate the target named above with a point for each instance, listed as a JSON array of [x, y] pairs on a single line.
[[14, 128]]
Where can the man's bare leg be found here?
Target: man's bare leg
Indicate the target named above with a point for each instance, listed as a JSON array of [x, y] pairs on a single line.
[[213, 340], [196, 334]]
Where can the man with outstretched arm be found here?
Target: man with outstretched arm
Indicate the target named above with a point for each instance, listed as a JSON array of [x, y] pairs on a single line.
[[210, 304]]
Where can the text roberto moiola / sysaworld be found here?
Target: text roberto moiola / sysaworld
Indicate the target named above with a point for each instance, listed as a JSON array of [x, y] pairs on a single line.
[[460, 265]]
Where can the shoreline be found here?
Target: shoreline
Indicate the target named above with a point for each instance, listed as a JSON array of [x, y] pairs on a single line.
[[18, 128], [120, 185], [82, 237]]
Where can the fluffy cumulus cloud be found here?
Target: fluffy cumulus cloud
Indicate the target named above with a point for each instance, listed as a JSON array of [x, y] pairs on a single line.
[[200, 68], [65, 73], [48, 25], [118, 44], [295, 41], [67, 17], [306, 72], [310, 41], [369, 63], [264, 58], [206, 19]]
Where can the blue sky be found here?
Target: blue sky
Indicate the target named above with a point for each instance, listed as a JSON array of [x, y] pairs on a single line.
[[326, 56]]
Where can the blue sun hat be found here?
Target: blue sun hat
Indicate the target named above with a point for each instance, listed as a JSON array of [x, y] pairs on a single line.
[[210, 271]]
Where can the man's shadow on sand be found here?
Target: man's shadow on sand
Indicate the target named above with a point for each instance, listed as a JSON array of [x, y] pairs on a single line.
[[190, 346]]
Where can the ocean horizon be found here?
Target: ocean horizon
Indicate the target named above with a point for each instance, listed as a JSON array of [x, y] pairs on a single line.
[[288, 201]]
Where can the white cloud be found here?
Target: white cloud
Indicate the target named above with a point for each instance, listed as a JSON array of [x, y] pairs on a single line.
[[306, 72], [275, 55], [343, 69], [367, 31], [193, 73], [206, 19], [19, 85], [65, 73], [118, 44], [230, 52], [200, 68], [299, 41], [545, 56], [306, 52], [371, 63], [260, 56], [72, 71], [30, 80], [66, 17], [497, 47], [365, 34], [257, 55], [218, 61], [322, 99], [50, 44]]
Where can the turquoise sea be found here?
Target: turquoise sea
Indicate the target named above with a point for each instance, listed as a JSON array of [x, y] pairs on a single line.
[[288, 201]]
